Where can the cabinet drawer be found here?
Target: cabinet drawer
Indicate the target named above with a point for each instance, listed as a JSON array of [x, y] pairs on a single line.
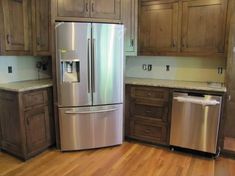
[[156, 112], [150, 93], [155, 133], [35, 98]]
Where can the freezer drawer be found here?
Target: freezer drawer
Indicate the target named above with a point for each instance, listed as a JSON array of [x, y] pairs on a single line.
[[91, 127], [195, 121]]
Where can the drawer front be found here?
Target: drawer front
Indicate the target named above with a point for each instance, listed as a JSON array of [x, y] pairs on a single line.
[[150, 93], [155, 133], [156, 112], [35, 98]]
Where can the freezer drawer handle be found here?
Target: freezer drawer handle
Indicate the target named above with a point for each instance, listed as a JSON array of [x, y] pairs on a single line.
[[202, 102], [90, 112]]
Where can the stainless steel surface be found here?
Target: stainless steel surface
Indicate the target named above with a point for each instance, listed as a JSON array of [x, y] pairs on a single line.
[[91, 127], [73, 46], [90, 70], [195, 121], [108, 63]]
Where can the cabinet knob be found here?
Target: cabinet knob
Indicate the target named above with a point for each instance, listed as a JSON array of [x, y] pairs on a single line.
[[8, 39], [27, 121], [92, 6], [132, 42], [38, 41], [173, 44], [87, 7]]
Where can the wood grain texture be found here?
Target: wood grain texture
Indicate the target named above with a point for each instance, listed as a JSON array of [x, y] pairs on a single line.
[[158, 27], [41, 15], [146, 115], [26, 122], [130, 21], [17, 26], [129, 159]]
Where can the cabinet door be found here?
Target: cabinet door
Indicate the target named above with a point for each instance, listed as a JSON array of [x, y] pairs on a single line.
[[106, 9], [41, 27], [203, 26], [158, 27], [130, 18], [73, 8], [10, 123], [17, 23], [37, 129]]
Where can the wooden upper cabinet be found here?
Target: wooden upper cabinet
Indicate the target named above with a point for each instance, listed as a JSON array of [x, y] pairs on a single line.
[[130, 21], [73, 8], [203, 26], [41, 27], [106, 9], [88, 10], [17, 24], [158, 27]]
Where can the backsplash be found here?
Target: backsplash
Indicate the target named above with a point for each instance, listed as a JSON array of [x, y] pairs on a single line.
[[180, 68], [23, 68]]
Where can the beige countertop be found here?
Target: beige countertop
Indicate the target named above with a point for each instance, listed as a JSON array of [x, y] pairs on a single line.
[[22, 86], [176, 84]]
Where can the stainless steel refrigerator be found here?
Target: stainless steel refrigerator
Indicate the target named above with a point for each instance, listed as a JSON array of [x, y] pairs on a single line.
[[90, 66]]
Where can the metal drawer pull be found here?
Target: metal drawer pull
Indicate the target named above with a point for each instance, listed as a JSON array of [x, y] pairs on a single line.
[[148, 111], [90, 112], [197, 101], [147, 131]]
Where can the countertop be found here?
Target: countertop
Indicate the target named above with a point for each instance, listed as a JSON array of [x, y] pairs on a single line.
[[22, 86], [176, 84]]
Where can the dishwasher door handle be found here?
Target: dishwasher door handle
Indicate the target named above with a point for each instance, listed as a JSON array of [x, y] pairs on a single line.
[[196, 100]]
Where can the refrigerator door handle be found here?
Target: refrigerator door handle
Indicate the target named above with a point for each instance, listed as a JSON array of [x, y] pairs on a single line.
[[88, 66], [62, 73], [90, 112], [93, 64]]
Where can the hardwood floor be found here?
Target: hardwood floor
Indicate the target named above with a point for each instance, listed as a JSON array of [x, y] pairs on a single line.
[[129, 159]]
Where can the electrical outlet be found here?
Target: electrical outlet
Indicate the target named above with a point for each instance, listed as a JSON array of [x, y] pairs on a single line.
[[149, 67], [144, 67], [220, 70], [9, 69], [167, 67]]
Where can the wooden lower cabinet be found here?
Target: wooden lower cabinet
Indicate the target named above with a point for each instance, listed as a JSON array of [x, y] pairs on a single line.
[[146, 114], [151, 132], [26, 122]]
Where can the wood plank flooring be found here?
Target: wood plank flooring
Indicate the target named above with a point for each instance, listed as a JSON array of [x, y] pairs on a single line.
[[129, 159]]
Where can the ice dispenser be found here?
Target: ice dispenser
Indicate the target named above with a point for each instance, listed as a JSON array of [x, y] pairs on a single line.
[[70, 67]]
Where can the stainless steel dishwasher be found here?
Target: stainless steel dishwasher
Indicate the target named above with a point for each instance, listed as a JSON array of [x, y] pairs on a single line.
[[195, 121]]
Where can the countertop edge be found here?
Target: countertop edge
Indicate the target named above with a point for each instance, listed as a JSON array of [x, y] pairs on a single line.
[[30, 85], [199, 88]]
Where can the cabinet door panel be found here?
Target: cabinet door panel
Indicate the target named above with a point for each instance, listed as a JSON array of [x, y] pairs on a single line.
[[158, 28], [72, 8], [130, 18], [106, 9], [10, 122], [203, 26], [17, 23], [37, 128], [41, 27]]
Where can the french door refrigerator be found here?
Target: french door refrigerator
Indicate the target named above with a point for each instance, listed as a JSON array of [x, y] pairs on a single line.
[[90, 59]]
